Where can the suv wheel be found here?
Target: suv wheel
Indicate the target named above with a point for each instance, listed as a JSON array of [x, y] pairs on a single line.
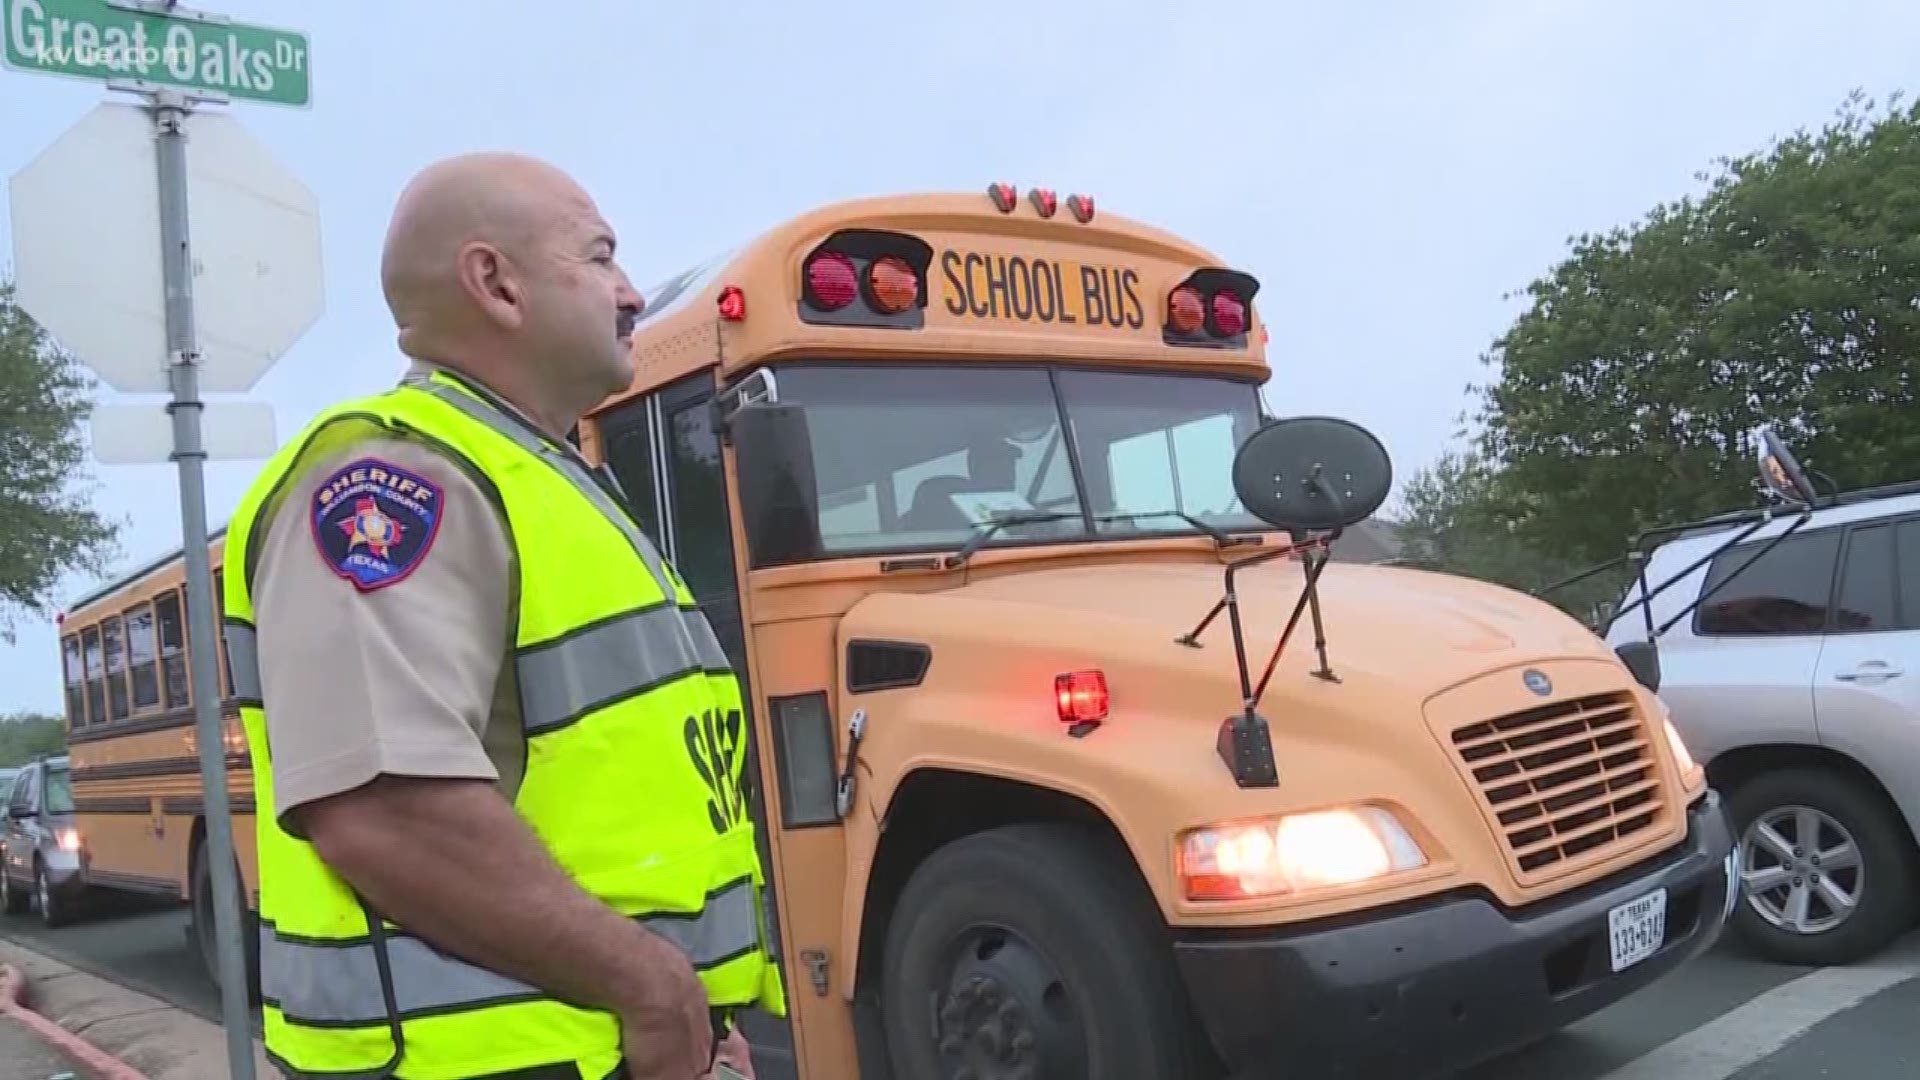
[[1828, 869], [13, 900]]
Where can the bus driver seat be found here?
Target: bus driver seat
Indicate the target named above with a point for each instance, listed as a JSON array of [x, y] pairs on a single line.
[[990, 467]]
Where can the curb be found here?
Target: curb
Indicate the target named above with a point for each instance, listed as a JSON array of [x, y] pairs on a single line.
[[139, 1036], [13, 984]]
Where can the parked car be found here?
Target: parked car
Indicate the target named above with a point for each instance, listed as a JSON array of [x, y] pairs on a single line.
[[39, 844], [1786, 645]]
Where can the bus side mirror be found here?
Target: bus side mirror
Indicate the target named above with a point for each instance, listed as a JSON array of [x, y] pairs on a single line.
[[779, 502], [1780, 471]]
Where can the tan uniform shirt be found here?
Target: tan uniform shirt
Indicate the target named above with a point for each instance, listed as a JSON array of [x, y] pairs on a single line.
[[409, 678]]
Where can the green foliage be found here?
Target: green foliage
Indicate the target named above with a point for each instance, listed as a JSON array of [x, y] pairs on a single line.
[[1787, 293], [47, 529], [1448, 522], [24, 736]]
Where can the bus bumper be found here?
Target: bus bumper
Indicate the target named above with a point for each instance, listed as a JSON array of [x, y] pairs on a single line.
[[1440, 985]]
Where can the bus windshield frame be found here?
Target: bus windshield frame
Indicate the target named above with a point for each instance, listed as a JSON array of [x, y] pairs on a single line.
[[917, 457]]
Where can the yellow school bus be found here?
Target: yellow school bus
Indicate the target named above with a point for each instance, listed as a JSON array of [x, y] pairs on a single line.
[[135, 763], [1073, 753], [958, 480]]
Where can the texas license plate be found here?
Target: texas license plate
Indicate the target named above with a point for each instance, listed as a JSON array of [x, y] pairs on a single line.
[[1637, 929]]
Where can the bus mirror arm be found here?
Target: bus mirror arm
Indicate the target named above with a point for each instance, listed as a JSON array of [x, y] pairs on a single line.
[[728, 403]]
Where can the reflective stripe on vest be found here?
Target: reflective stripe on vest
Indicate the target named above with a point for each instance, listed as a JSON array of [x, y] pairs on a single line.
[[337, 984], [564, 679]]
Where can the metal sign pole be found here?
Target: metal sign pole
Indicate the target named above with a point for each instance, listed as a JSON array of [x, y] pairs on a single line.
[[170, 117]]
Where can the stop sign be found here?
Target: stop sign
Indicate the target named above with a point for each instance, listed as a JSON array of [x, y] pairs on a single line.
[[86, 237]]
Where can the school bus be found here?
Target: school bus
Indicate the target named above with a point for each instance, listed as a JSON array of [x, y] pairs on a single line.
[[981, 499], [135, 765]]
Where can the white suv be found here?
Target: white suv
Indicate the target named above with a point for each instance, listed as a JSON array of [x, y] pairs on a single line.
[[1791, 667]]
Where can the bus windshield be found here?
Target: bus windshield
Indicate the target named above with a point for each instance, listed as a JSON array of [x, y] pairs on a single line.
[[916, 457]]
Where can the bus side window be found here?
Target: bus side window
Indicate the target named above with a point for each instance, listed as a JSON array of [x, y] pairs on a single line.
[[142, 658], [173, 649], [76, 682], [96, 675], [113, 642]]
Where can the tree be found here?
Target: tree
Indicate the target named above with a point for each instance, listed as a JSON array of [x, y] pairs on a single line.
[[1449, 521], [1787, 293], [46, 527], [23, 736]]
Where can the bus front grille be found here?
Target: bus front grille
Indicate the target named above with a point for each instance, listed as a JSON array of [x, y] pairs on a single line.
[[1569, 783]]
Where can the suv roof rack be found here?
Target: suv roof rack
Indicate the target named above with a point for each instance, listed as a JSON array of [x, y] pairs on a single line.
[[1720, 522]]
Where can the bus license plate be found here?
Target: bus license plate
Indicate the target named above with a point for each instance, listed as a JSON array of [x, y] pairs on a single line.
[[1637, 929]]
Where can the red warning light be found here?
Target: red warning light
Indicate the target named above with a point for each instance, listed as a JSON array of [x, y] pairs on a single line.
[[1082, 207], [1229, 313], [1081, 696], [1004, 197], [833, 280], [1044, 201], [733, 304]]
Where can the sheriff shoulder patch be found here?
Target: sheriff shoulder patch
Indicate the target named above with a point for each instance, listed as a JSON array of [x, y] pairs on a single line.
[[374, 521]]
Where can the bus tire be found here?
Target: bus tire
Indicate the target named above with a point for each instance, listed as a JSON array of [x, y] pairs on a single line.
[[1031, 951], [206, 943]]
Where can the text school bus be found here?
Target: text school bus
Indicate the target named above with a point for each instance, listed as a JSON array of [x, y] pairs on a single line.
[[979, 497]]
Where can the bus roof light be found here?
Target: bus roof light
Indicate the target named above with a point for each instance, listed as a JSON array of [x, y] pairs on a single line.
[[1082, 207], [893, 284], [1229, 314], [1081, 697], [733, 304], [1004, 197], [831, 281], [1044, 201], [1184, 309]]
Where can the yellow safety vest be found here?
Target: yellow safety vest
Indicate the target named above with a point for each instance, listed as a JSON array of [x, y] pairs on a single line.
[[634, 779]]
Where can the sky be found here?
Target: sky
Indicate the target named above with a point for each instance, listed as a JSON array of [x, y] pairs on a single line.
[[1390, 171]]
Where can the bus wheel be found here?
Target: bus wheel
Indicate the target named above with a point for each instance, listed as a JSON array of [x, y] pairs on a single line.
[[1030, 953], [207, 942]]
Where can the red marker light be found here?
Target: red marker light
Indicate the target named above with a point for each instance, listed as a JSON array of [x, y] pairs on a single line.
[[1004, 197], [830, 275], [1082, 207], [893, 283], [1229, 313], [733, 304], [1044, 201], [1185, 311], [1081, 696]]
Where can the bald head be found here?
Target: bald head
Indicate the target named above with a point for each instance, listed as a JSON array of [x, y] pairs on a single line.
[[500, 265], [502, 201]]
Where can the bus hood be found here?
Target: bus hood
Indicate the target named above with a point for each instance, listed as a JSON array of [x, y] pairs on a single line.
[[1409, 632]]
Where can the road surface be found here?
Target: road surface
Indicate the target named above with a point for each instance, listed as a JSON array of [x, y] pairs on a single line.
[[1725, 1017]]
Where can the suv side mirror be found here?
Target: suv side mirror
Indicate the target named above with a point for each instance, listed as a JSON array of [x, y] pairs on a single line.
[[1643, 660]]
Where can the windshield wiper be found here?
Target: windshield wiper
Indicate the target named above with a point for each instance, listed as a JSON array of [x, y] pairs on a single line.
[[1220, 539], [986, 529]]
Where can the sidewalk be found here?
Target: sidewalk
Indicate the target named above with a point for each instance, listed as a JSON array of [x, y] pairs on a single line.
[[154, 1040], [26, 1056]]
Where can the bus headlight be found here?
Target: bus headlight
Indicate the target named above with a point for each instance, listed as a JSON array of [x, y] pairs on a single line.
[[1692, 776], [1295, 853]]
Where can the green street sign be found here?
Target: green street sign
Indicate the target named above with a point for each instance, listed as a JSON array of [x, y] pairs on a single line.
[[110, 40]]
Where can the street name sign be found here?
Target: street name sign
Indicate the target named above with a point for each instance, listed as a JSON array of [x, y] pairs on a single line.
[[110, 40]]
